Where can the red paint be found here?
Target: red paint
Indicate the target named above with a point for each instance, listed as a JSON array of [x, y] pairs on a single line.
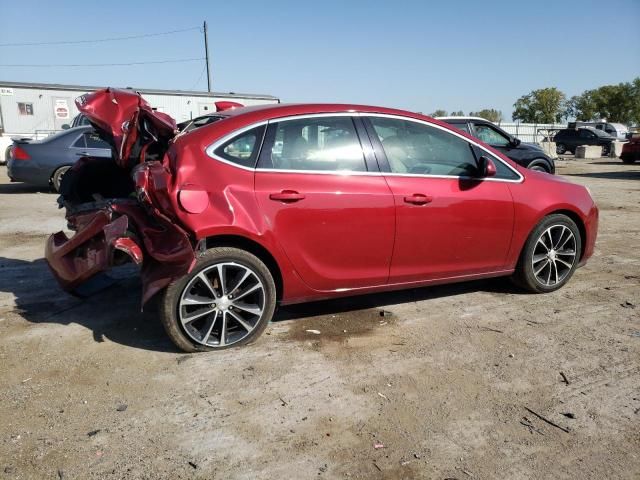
[[329, 234]]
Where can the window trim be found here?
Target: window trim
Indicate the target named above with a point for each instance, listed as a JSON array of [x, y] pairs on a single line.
[[366, 143]]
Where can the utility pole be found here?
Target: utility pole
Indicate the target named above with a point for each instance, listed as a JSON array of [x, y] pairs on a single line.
[[206, 57]]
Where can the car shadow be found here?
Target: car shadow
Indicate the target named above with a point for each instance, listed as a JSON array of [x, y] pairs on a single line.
[[19, 187], [114, 312], [628, 175]]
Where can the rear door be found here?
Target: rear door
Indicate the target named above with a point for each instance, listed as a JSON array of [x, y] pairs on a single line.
[[331, 210], [89, 144]]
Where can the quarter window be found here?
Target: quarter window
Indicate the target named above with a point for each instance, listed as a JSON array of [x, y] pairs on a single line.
[[415, 148], [242, 149], [94, 141], [315, 144]]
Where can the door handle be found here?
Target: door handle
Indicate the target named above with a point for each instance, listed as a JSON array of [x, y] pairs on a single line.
[[418, 199], [287, 196]]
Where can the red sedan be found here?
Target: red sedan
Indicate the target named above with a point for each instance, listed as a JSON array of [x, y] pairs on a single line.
[[281, 204]]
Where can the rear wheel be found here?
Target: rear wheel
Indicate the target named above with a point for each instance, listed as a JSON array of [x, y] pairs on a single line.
[[605, 150], [227, 300], [627, 159], [561, 148], [550, 255], [56, 178]]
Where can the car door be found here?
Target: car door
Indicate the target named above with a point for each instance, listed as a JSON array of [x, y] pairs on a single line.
[[328, 205], [585, 137], [449, 223]]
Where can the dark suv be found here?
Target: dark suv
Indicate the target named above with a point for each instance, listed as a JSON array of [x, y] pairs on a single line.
[[569, 139], [526, 154]]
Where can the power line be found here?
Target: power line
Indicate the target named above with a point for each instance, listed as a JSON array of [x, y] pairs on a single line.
[[199, 78], [98, 40], [184, 60]]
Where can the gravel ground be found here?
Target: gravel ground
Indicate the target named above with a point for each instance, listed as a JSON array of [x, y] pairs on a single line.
[[455, 382]]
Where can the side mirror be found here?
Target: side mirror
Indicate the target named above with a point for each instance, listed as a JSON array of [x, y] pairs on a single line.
[[65, 126], [515, 141], [486, 167]]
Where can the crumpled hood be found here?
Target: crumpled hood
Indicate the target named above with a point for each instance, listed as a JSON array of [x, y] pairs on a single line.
[[124, 119]]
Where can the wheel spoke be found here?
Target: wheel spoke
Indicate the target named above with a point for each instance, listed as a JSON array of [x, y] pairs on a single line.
[[556, 246], [564, 263], [571, 253], [223, 287], [537, 272], [549, 275], [223, 330], [241, 321], [248, 308], [195, 316], [203, 278], [195, 300], [248, 291], [555, 269], [205, 337], [550, 239], [541, 242], [539, 258], [244, 277]]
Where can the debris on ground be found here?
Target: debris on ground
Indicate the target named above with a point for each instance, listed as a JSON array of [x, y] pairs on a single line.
[[193, 465], [569, 415], [315, 332], [564, 378], [628, 304], [93, 432], [122, 407], [544, 419], [378, 445]]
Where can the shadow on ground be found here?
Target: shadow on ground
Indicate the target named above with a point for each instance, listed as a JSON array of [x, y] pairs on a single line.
[[18, 187], [631, 175], [114, 312]]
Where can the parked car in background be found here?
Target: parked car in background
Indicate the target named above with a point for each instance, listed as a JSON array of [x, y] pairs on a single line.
[[631, 150], [568, 139], [528, 155], [293, 203], [43, 163], [618, 130]]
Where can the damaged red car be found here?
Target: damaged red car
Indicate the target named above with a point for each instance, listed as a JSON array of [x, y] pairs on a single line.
[[281, 204]]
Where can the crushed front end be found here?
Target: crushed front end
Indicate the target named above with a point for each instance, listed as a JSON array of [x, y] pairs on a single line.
[[119, 208]]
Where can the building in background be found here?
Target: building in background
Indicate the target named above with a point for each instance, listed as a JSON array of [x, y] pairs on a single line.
[[38, 109]]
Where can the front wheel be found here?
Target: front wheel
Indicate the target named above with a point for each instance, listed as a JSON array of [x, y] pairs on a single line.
[[550, 255], [227, 300], [539, 168], [561, 148]]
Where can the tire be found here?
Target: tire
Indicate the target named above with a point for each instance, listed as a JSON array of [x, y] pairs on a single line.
[[605, 150], [628, 160], [538, 167], [56, 178], [561, 148], [537, 266], [202, 286]]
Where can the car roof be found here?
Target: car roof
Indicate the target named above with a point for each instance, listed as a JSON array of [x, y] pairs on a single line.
[[463, 118]]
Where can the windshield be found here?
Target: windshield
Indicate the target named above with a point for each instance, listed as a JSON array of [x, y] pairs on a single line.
[[599, 133]]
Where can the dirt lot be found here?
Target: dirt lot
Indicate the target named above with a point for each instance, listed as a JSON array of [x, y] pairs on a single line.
[[440, 388]]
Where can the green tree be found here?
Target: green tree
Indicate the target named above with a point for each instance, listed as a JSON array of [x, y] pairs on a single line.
[[616, 103], [490, 114], [459, 113], [439, 113], [545, 105]]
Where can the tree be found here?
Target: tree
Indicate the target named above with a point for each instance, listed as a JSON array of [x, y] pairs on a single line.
[[490, 114], [459, 113], [616, 103], [439, 113], [545, 105]]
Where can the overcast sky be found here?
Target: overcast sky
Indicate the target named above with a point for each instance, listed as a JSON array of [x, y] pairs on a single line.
[[415, 55]]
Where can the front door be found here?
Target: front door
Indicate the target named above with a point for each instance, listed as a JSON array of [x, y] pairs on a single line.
[[449, 223], [333, 218]]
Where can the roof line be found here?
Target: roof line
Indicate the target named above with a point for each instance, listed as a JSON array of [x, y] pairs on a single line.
[[86, 88]]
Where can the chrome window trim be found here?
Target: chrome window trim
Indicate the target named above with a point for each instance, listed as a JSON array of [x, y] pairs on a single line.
[[211, 149]]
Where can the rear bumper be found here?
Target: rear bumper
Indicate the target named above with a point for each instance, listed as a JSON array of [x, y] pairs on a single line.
[[164, 253]]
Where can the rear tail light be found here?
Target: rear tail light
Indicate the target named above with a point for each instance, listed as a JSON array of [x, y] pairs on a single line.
[[18, 153]]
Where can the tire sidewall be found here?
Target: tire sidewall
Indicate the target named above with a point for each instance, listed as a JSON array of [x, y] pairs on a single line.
[[56, 178], [525, 268], [171, 297]]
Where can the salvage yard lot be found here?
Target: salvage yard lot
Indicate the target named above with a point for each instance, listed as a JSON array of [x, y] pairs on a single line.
[[441, 385]]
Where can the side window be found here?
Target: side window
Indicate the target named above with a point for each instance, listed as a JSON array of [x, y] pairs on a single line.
[[586, 134], [490, 135], [315, 144], [94, 141], [25, 108], [80, 142], [416, 148], [242, 149]]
